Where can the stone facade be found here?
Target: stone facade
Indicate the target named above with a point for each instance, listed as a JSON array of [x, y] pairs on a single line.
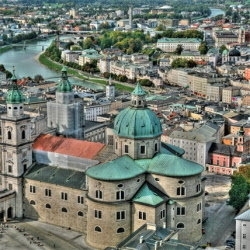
[[55, 204]]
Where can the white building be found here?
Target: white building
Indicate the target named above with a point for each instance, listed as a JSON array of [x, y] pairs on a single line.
[[242, 238], [170, 44]]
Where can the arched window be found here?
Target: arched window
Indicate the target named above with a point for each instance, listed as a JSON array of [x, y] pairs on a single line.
[[98, 229], [47, 206], [181, 191], [64, 210], [98, 194], [199, 221], [23, 134], [32, 202], [120, 195], [180, 225], [9, 135], [80, 213], [120, 230]]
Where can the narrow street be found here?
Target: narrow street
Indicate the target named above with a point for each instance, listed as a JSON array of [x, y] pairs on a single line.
[[220, 223]]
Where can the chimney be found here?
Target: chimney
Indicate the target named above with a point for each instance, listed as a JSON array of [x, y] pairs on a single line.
[[141, 239]]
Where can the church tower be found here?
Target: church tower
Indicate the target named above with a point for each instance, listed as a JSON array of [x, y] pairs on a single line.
[[65, 114], [16, 151], [110, 90]]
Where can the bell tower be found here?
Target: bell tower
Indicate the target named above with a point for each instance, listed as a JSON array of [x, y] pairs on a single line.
[[15, 147]]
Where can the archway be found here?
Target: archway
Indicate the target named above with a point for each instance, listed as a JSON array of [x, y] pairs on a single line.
[[10, 213]]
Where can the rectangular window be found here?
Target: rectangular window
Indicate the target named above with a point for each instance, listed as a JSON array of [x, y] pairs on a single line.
[[126, 149], [143, 150], [64, 196], [10, 168], [163, 214], [10, 186], [198, 188], [47, 192], [98, 214], [198, 207], [142, 215], [120, 195], [32, 189], [80, 199], [244, 236], [181, 211], [181, 191], [120, 215]]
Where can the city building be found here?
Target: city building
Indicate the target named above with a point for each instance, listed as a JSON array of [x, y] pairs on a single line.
[[88, 55], [242, 236], [197, 142], [170, 44]]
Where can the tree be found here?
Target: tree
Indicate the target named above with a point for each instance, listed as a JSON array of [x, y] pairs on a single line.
[[178, 49], [238, 193], [222, 48], [160, 27], [183, 63], [146, 82], [88, 43], [38, 78], [203, 48]]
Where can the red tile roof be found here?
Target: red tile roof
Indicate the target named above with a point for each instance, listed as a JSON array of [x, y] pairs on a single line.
[[67, 146]]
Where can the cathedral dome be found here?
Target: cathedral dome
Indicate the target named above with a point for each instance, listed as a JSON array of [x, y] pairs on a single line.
[[137, 123], [234, 52], [64, 84], [14, 95]]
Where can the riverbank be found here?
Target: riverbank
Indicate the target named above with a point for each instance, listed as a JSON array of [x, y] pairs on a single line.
[[123, 87]]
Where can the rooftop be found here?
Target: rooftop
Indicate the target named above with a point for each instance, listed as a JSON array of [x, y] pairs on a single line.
[[68, 146]]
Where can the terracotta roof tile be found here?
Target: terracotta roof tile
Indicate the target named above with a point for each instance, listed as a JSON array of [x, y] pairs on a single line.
[[67, 146]]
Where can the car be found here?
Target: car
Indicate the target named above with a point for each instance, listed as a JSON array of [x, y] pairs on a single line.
[[230, 241], [230, 245]]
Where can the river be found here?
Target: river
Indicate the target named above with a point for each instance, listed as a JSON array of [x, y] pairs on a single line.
[[26, 64], [216, 12]]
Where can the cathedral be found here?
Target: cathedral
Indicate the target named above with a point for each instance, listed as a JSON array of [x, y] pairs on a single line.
[[106, 191]]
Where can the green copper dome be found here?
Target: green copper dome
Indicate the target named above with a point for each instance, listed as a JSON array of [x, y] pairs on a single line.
[[64, 84], [137, 123], [14, 95]]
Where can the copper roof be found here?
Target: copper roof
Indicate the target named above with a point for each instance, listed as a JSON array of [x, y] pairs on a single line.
[[68, 146]]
